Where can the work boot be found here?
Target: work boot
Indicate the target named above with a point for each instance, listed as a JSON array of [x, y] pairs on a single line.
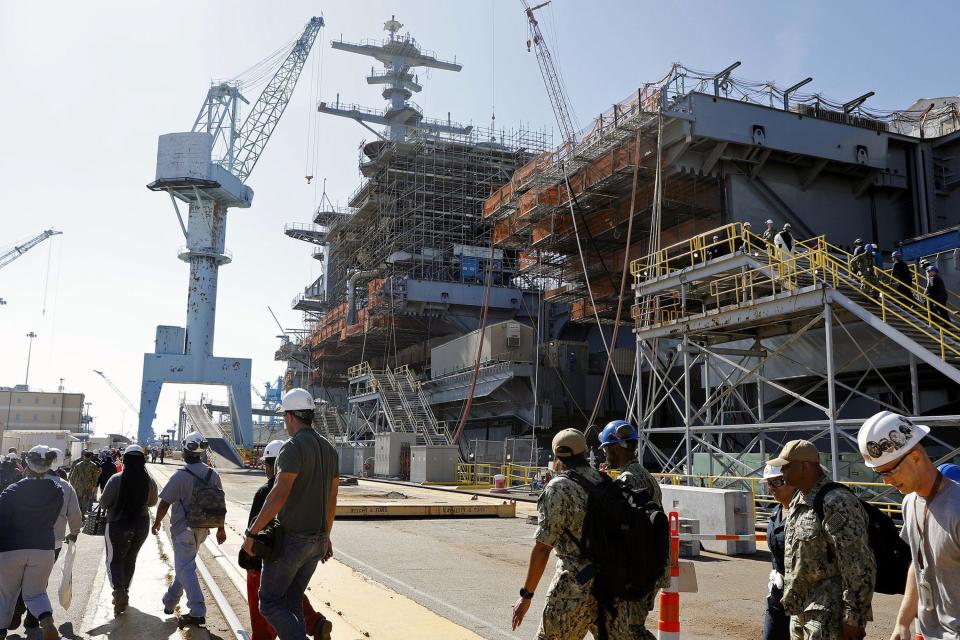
[[120, 600], [49, 629], [183, 621], [322, 629]]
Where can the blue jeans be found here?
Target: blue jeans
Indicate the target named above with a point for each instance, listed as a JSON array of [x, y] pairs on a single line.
[[284, 581]]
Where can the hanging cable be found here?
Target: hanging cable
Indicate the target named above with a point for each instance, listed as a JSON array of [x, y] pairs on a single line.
[[586, 278], [46, 278], [623, 284]]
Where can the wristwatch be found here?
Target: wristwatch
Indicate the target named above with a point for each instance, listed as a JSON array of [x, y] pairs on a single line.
[[526, 595], [249, 534]]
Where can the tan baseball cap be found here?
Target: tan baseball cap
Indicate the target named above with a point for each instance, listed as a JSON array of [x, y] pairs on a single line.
[[569, 442], [796, 451]]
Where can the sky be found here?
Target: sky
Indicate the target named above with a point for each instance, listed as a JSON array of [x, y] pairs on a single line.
[[90, 86]]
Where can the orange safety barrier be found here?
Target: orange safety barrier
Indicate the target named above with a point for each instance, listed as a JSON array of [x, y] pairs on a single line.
[[669, 621]]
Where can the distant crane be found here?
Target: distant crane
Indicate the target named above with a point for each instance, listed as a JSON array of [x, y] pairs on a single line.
[[207, 168], [19, 250], [551, 77], [117, 391]]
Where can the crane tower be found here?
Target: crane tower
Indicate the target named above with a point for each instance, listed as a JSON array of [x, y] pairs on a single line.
[[207, 168]]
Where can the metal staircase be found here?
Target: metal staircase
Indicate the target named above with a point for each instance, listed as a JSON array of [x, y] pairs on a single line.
[[681, 286], [400, 402], [330, 423]]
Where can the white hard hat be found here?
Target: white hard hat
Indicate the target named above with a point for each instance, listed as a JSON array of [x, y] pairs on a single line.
[[786, 225], [747, 224], [194, 441], [39, 458], [133, 448], [771, 472], [297, 400], [888, 436], [769, 221], [56, 461], [272, 450], [12, 456]]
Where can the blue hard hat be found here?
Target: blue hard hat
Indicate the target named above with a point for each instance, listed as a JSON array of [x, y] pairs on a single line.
[[618, 432], [870, 248], [898, 254], [932, 267], [951, 471]]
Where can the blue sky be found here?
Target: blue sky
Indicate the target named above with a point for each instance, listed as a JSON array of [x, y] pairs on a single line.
[[89, 87]]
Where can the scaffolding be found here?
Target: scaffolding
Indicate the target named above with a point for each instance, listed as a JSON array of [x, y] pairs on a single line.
[[743, 346]]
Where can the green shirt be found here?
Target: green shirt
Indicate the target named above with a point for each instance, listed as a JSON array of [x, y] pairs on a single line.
[[314, 460]]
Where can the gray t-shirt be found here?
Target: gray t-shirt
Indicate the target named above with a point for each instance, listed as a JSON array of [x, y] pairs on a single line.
[[314, 460], [941, 555], [179, 493]]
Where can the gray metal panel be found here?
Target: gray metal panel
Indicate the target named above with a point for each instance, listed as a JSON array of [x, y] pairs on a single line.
[[734, 121], [719, 511]]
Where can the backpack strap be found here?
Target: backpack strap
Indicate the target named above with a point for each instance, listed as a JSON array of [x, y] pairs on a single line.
[[822, 495], [205, 481]]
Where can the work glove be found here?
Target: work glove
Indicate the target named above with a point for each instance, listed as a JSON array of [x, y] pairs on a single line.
[[775, 580]]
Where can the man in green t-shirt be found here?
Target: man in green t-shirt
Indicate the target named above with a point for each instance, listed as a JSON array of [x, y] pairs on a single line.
[[304, 501]]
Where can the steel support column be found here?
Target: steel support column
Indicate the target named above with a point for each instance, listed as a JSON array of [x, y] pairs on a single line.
[[914, 386], [686, 405], [831, 391]]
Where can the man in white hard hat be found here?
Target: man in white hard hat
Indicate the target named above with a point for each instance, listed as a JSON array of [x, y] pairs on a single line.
[[892, 446], [776, 622], [830, 569], [190, 524], [304, 501], [769, 232], [318, 625]]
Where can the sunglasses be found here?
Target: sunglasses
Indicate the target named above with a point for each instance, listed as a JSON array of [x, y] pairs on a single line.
[[195, 446], [889, 472], [775, 483]]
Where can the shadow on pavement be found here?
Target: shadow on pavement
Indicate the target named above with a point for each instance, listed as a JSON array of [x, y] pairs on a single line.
[[135, 624]]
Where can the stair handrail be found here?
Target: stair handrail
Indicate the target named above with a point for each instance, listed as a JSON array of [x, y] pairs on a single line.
[[885, 296]]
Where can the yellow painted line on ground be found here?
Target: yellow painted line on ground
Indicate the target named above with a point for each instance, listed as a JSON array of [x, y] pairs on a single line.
[[394, 510]]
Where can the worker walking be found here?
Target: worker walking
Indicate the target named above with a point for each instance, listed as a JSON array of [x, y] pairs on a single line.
[[303, 499], [892, 446], [783, 240], [571, 608], [937, 292], [903, 278], [83, 479], [862, 265], [618, 441], [318, 625], [107, 468], [829, 567], [29, 511], [126, 498], [776, 622], [9, 471], [857, 247], [196, 494]]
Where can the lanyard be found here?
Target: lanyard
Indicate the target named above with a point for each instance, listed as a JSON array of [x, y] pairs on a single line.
[[922, 531]]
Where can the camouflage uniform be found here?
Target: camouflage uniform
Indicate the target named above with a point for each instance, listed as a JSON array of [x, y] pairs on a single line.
[[830, 568], [83, 478], [636, 477], [571, 609]]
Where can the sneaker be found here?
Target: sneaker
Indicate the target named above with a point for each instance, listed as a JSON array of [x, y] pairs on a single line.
[[322, 629], [183, 621], [49, 629]]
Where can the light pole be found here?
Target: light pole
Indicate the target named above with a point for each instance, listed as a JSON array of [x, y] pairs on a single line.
[[26, 381]]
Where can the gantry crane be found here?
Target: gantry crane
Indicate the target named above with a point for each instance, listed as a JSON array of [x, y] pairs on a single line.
[[19, 250], [207, 168]]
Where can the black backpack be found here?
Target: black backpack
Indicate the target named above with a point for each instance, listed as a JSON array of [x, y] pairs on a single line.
[[891, 553], [626, 537]]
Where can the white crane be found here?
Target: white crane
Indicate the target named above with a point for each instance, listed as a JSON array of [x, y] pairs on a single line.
[[207, 168], [117, 391], [559, 100], [19, 250]]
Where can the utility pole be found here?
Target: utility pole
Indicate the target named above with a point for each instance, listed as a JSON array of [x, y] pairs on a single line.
[[26, 379]]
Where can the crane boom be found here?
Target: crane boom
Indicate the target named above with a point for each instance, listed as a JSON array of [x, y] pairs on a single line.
[[241, 145], [551, 78], [116, 390], [16, 252]]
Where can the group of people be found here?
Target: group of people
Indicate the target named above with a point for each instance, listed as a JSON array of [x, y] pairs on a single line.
[[825, 564], [287, 537], [821, 538]]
